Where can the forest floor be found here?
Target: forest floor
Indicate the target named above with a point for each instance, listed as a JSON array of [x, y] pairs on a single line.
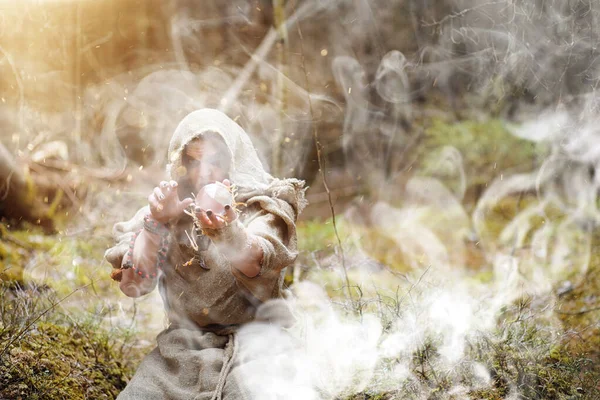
[[66, 331]]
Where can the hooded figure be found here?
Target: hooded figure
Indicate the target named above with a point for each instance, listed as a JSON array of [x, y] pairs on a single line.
[[206, 298]]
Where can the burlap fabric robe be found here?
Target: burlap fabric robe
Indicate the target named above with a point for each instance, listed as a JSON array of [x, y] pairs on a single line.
[[207, 301]]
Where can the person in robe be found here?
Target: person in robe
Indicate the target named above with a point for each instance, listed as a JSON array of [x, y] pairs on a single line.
[[215, 240]]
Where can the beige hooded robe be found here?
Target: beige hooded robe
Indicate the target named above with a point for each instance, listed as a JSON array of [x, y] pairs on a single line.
[[208, 300]]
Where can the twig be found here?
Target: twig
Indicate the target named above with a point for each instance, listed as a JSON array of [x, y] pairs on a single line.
[[259, 55], [16, 241], [19, 82], [78, 232], [459, 14], [65, 188], [8, 179], [261, 52], [277, 154], [579, 312], [341, 192], [67, 166], [322, 173], [18, 335], [413, 286]]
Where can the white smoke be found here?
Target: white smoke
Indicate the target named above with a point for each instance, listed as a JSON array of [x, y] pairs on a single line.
[[420, 327], [443, 306]]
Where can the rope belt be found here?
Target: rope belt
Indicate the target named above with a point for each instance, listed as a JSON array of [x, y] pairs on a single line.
[[228, 358]]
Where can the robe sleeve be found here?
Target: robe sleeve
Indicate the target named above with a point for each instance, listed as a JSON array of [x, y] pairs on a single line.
[[274, 224], [122, 233]]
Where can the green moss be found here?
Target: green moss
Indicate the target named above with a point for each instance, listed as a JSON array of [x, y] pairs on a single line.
[[60, 261], [579, 311], [56, 202], [379, 246], [45, 354], [12, 258], [53, 361], [487, 148], [485, 276], [371, 396], [522, 352], [318, 238], [316, 241]]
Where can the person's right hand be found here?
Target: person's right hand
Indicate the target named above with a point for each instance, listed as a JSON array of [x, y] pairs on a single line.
[[165, 204], [215, 213]]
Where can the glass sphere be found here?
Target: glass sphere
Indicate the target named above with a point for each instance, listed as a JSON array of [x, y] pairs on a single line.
[[214, 196]]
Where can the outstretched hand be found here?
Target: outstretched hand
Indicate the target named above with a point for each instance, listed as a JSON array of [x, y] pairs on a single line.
[[213, 220], [165, 204]]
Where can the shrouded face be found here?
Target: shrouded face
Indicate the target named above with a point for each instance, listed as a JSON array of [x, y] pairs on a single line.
[[206, 160]]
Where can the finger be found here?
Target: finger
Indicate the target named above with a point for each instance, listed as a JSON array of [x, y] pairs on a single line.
[[165, 189], [213, 218], [229, 213], [159, 195], [171, 188], [186, 203], [203, 218], [152, 202], [221, 221], [226, 182]]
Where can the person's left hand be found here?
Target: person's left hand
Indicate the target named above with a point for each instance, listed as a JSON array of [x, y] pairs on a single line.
[[209, 219]]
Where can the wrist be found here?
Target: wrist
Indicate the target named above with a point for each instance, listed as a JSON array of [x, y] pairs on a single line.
[[233, 235], [164, 221], [156, 226], [143, 257], [128, 260], [160, 219], [241, 248], [249, 260]]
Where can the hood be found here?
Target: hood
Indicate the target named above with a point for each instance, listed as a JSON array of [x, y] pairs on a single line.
[[245, 168]]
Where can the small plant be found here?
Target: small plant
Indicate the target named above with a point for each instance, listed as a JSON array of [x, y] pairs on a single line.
[[46, 353]]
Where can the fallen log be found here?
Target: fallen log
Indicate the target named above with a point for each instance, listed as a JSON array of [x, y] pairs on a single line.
[[18, 199]]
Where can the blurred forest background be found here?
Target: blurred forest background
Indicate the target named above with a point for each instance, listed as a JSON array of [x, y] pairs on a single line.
[[451, 148]]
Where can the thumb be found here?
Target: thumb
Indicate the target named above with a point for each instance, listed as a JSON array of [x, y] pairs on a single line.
[[186, 203]]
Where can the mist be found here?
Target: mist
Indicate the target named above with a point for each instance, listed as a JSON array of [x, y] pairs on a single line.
[[451, 149]]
